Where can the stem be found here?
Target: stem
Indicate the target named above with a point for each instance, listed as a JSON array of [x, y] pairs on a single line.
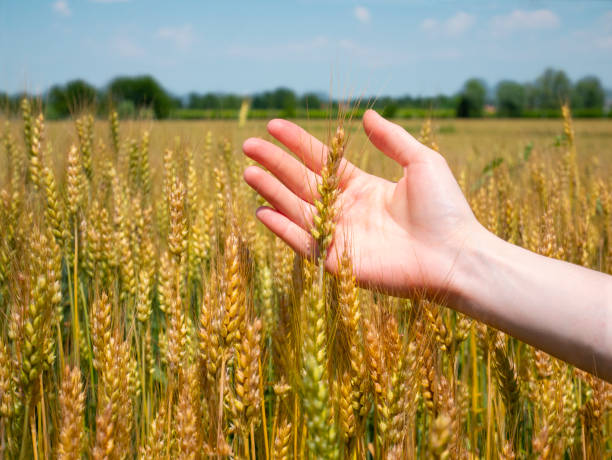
[[474, 386], [263, 412], [295, 426], [44, 418], [87, 330], [253, 441], [582, 434], [303, 443], [60, 345], [275, 419], [24, 431], [489, 411], [33, 431], [2, 442], [375, 437], [583, 439], [75, 305], [169, 418], [220, 413], [145, 406], [247, 455]]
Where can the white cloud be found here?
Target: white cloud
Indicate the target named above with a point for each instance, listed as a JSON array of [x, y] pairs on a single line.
[[603, 34], [429, 25], [459, 23], [61, 7], [596, 36], [604, 42], [303, 49], [317, 49], [181, 36], [607, 20], [522, 19], [452, 27], [371, 57], [362, 14], [127, 48]]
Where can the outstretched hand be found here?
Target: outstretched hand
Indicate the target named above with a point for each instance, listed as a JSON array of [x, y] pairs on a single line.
[[419, 236], [403, 237]]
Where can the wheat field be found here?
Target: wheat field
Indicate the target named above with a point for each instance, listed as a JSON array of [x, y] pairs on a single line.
[[144, 313]]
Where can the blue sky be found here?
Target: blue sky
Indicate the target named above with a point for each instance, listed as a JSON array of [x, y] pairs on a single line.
[[419, 47]]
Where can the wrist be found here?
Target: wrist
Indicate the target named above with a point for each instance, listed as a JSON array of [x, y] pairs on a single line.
[[475, 262]]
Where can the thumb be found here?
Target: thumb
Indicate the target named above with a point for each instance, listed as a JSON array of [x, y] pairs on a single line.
[[393, 140]]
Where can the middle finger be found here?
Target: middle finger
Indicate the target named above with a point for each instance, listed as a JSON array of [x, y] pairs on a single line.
[[291, 172]]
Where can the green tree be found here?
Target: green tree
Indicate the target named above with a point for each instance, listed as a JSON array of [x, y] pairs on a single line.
[[79, 94], [57, 104], [203, 101], [551, 89], [390, 109], [230, 101], [310, 101], [510, 99], [263, 100], [143, 91], [5, 102], [210, 101], [588, 94], [531, 96], [285, 99], [74, 96], [472, 98]]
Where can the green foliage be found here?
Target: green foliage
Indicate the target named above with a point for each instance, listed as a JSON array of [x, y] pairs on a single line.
[[71, 98], [588, 94], [142, 91], [472, 98], [310, 101], [126, 109], [588, 113], [390, 110], [493, 164], [542, 113], [281, 98], [527, 151], [204, 101], [142, 95], [487, 172], [425, 113], [551, 89], [4, 101], [510, 99]]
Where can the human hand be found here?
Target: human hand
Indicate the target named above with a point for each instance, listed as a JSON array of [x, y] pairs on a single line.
[[403, 238]]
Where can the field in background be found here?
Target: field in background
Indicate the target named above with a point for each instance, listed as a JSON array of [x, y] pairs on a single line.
[[144, 311], [467, 144]]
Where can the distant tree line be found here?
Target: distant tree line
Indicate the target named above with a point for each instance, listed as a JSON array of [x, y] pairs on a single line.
[[143, 96], [130, 96], [543, 96]]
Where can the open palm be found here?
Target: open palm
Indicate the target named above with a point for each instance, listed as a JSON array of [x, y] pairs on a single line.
[[403, 237]]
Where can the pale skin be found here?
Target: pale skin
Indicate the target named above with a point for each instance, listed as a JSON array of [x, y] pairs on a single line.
[[419, 237]]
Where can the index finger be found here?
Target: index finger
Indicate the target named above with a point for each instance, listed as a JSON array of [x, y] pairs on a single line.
[[305, 146]]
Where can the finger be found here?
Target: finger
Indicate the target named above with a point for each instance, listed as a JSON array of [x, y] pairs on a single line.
[[296, 237], [393, 140], [279, 196], [308, 148], [292, 173]]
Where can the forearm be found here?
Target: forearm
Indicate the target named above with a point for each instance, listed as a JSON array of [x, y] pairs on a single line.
[[558, 307]]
